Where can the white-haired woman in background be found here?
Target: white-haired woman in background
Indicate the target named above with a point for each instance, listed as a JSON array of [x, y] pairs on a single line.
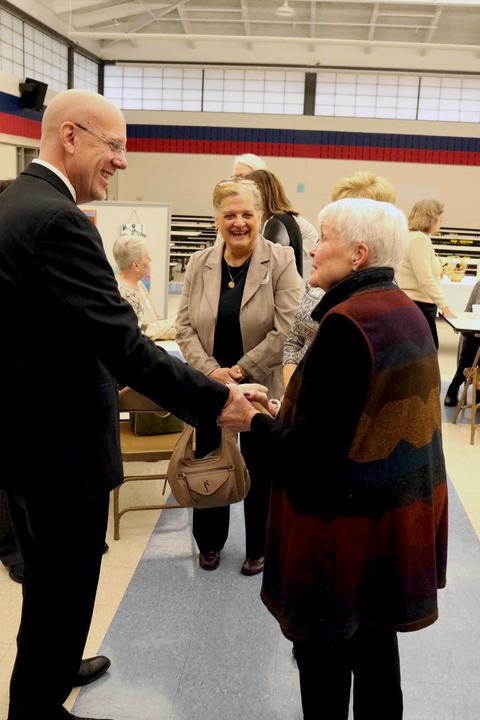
[[357, 532], [246, 163], [133, 260]]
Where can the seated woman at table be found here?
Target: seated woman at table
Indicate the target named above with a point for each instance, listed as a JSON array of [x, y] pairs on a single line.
[[133, 260], [357, 531], [420, 271], [238, 304], [468, 346]]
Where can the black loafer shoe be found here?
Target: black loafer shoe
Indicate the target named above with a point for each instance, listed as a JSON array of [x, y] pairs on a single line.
[[105, 548], [91, 669], [16, 571], [450, 401], [209, 560], [252, 567]]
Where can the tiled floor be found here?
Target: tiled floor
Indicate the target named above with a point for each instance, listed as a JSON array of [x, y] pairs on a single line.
[[187, 645]]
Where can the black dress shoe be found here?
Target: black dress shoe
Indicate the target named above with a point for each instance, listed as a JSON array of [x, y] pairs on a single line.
[[450, 400], [91, 669], [16, 571], [209, 560], [105, 548], [252, 567]]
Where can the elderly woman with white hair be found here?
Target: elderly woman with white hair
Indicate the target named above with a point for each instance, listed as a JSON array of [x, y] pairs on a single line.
[[246, 163], [357, 535], [133, 260]]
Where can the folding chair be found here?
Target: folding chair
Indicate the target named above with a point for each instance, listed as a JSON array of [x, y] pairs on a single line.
[[472, 379], [147, 448]]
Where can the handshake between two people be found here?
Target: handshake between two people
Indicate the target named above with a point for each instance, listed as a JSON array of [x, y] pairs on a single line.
[[244, 402]]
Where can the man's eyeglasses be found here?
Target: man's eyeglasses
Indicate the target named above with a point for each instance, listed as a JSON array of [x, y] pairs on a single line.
[[116, 146]]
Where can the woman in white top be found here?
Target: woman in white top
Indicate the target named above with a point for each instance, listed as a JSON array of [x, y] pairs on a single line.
[[420, 271]]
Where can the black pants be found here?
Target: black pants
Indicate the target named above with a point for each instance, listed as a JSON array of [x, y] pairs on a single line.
[[58, 598], [326, 668], [210, 525], [10, 553], [430, 312], [467, 356]]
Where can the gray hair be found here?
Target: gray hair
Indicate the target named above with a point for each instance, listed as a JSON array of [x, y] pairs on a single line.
[[253, 161], [128, 249], [379, 225]]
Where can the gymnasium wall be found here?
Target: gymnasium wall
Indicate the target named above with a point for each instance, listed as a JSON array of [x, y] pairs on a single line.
[[177, 157]]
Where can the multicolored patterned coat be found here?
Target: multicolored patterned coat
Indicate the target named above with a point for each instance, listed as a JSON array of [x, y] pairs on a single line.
[[358, 521]]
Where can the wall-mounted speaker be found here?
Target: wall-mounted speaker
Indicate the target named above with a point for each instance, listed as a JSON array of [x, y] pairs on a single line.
[[32, 93]]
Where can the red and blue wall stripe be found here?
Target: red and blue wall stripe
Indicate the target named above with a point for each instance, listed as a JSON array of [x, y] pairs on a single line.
[[270, 142]]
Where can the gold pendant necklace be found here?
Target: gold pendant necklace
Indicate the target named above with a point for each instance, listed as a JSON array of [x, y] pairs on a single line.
[[231, 283]]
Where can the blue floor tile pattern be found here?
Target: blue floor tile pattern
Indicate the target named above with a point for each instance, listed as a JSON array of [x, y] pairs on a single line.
[[187, 644]]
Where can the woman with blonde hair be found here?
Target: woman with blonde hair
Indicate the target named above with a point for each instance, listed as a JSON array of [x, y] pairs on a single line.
[[420, 271], [238, 304]]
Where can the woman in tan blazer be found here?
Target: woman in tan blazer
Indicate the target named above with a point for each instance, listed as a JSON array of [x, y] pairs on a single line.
[[238, 304]]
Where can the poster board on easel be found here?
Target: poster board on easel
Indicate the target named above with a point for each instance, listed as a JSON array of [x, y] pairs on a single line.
[[109, 216]]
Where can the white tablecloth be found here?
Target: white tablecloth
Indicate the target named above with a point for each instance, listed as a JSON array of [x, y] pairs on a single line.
[[457, 293]]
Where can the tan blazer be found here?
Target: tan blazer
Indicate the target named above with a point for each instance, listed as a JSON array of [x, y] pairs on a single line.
[[273, 290]]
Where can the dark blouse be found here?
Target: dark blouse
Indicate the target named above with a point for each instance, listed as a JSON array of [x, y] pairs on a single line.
[[227, 342]]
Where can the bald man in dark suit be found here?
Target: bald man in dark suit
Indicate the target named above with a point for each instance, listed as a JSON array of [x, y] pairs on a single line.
[[67, 339]]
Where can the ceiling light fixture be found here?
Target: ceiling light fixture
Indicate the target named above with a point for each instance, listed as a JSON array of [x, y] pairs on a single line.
[[285, 11]]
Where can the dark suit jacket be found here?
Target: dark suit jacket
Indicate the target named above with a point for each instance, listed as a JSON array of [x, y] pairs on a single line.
[[67, 339]]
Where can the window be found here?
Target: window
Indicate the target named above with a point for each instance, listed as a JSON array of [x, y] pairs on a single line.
[[254, 91], [154, 88], [454, 99], [45, 58], [85, 73], [11, 44], [367, 95]]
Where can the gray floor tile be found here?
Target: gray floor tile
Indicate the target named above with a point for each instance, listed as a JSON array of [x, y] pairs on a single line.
[[187, 644], [224, 693]]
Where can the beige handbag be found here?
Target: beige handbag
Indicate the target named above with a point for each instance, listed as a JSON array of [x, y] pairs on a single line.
[[219, 478]]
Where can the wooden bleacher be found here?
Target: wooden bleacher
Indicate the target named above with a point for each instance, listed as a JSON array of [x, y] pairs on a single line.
[[189, 233]]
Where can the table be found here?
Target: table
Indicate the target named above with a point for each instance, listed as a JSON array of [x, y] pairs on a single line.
[[185, 233], [171, 347], [465, 322], [458, 293]]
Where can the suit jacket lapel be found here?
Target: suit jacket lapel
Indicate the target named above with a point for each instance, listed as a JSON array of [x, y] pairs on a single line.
[[212, 278], [258, 272]]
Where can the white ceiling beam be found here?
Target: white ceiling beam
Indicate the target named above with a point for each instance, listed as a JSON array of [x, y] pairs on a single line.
[[106, 16], [187, 28], [119, 36], [435, 21], [431, 32], [154, 17], [246, 22], [60, 7], [373, 21], [317, 23]]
